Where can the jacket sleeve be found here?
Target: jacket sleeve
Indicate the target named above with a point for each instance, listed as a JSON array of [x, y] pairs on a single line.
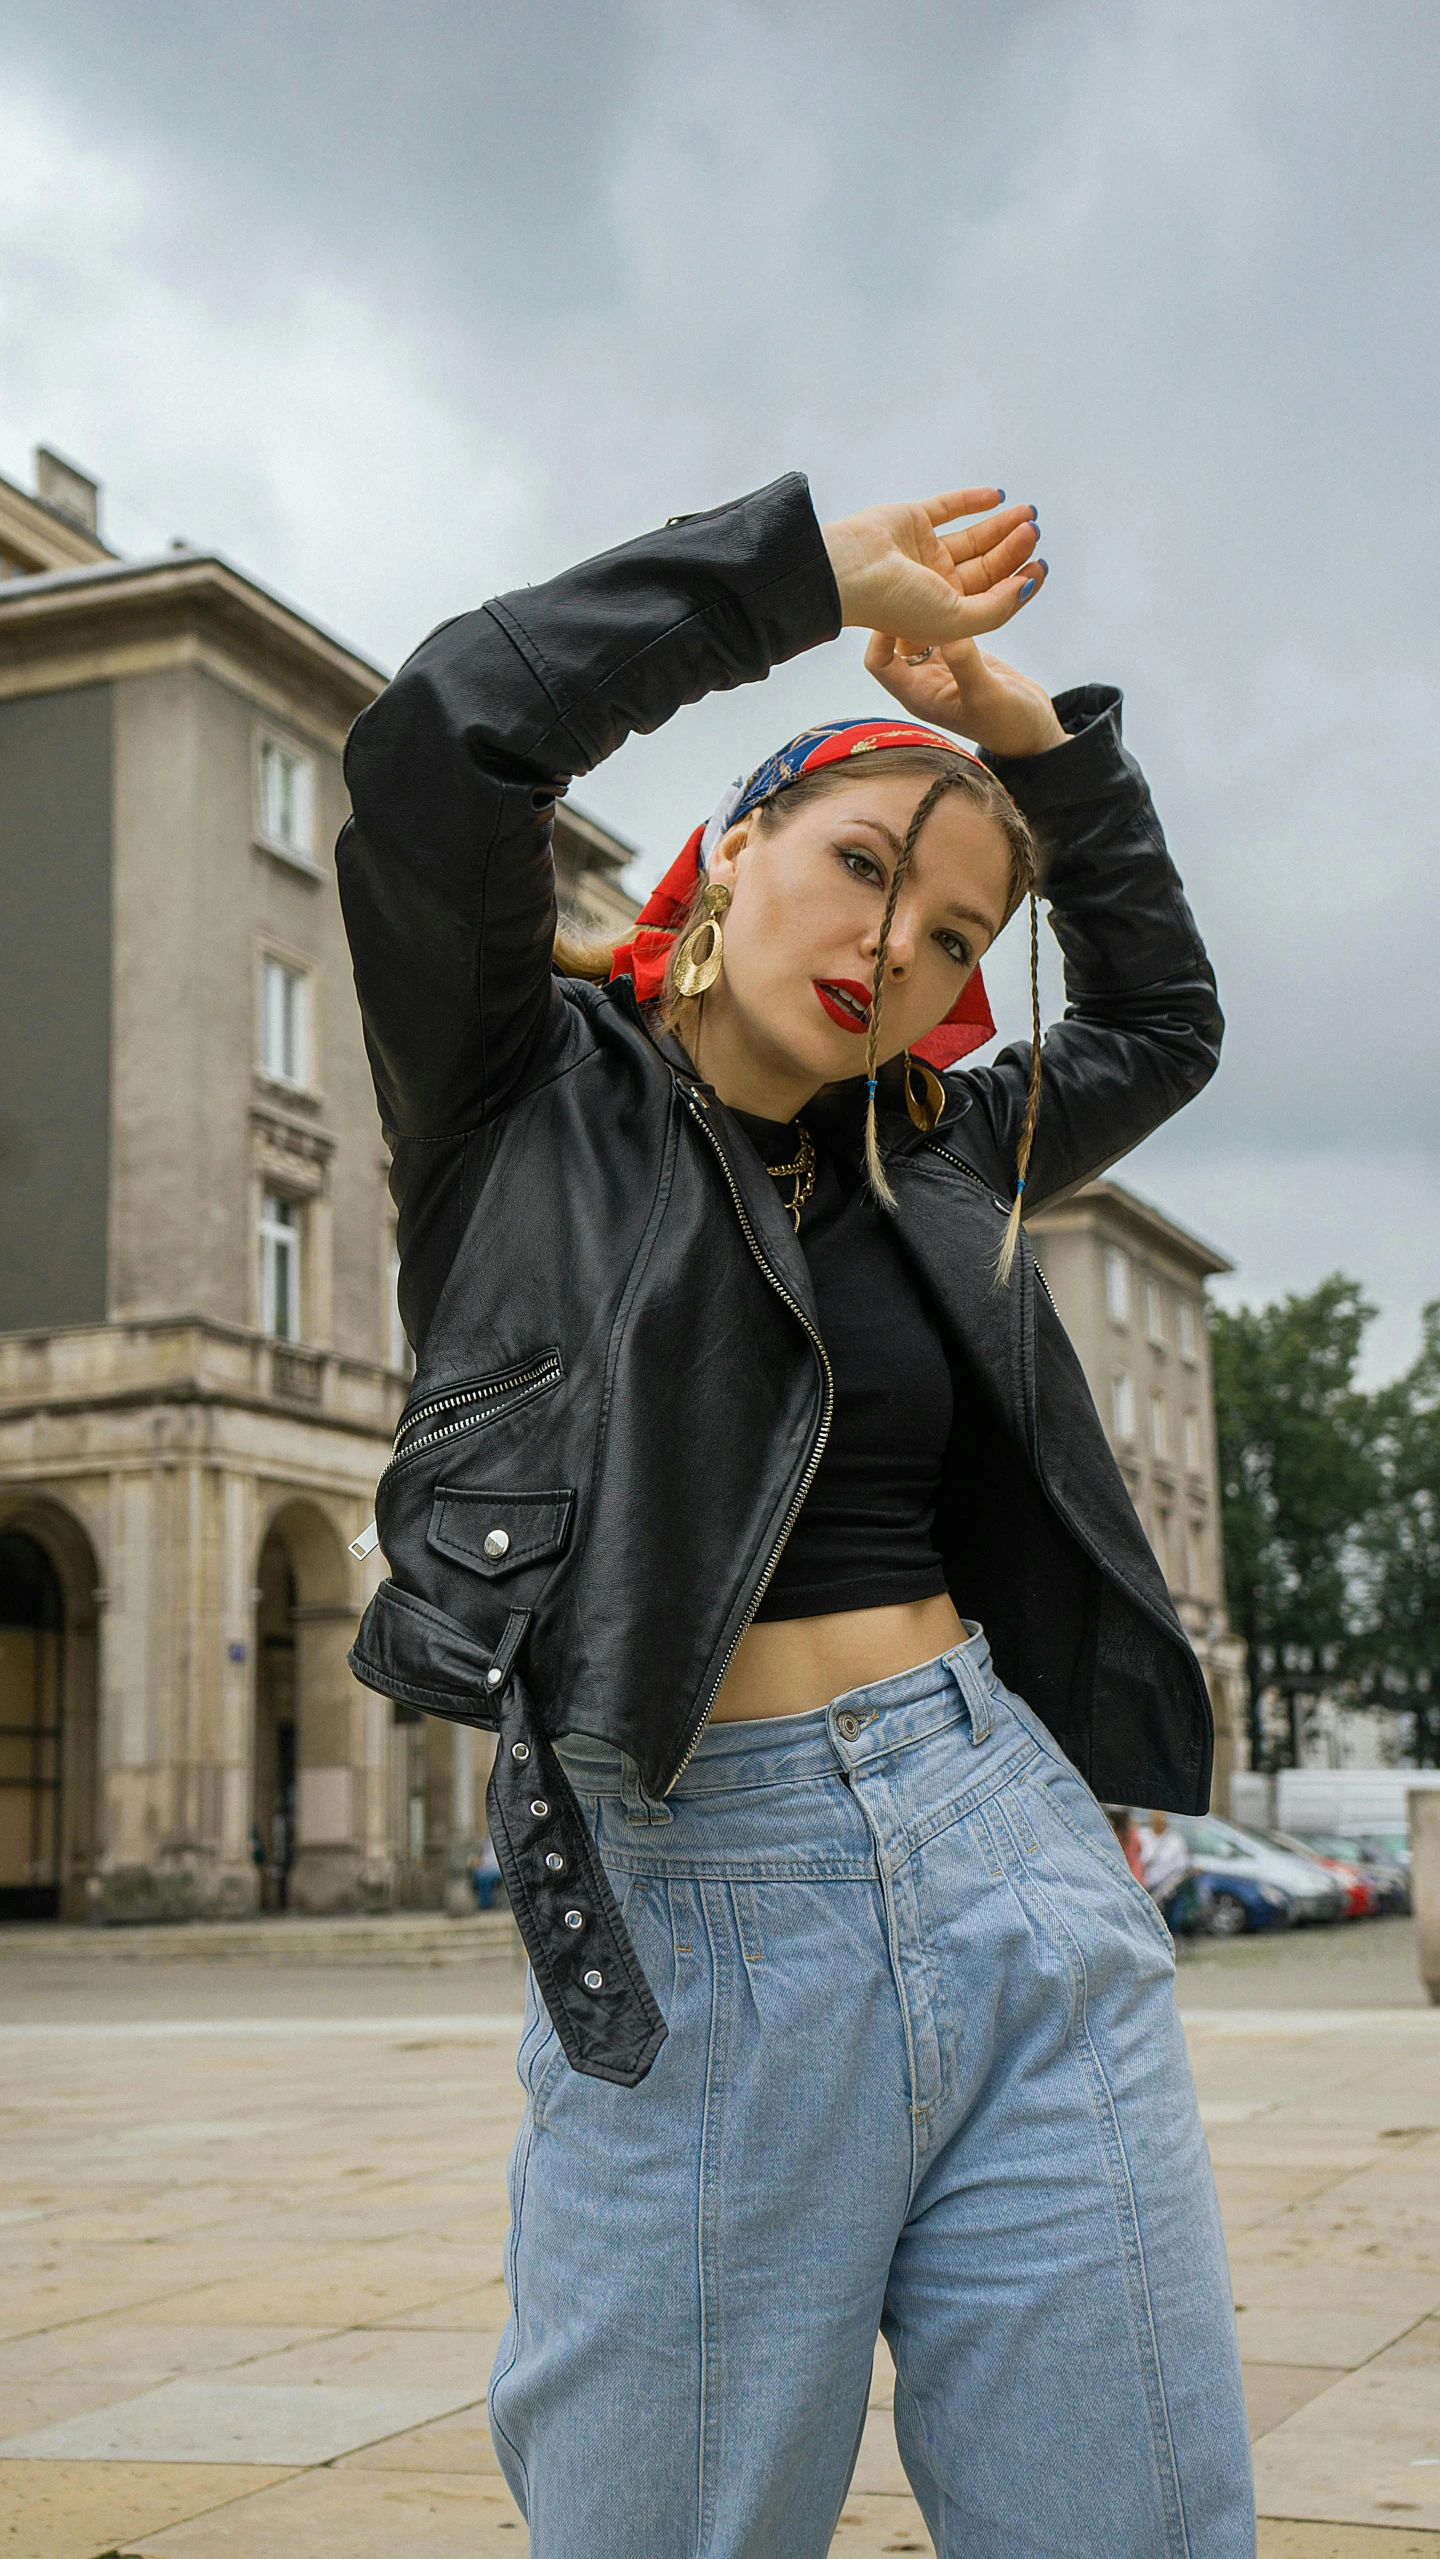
[[445, 870], [1142, 1027]]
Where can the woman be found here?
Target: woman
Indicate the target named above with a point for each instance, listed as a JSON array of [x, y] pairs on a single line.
[[738, 1411]]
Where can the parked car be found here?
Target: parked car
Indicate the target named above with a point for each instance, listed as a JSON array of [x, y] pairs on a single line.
[[1376, 1859], [1230, 1895], [1223, 1848], [1362, 1901]]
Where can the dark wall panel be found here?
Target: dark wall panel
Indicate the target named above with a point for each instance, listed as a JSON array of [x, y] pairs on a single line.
[[55, 857]]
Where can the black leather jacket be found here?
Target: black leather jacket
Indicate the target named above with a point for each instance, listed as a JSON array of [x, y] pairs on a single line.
[[621, 1393]]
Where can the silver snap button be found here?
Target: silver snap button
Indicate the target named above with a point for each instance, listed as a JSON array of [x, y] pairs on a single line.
[[518, 1750], [497, 1543], [574, 1919], [539, 1808], [847, 1726], [492, 1680], [593, 1980], [555, 1862]]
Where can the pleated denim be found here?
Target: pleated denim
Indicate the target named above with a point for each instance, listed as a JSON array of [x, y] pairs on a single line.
[[924, 2077]]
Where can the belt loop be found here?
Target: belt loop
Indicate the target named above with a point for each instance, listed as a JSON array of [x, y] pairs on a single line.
[[639, 1806], [979, 1704]]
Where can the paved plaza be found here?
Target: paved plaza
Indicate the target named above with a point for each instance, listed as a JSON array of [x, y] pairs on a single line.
[[252, 2206]]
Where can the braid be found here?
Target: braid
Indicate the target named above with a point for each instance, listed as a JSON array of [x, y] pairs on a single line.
[[1005, 1260], [943, 782]]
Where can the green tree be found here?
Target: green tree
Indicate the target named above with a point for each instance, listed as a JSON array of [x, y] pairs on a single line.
[[1298, 1476], [1394, 1655]]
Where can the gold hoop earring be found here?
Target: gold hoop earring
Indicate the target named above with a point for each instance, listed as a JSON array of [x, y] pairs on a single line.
[[701, 954], [924, 1094]]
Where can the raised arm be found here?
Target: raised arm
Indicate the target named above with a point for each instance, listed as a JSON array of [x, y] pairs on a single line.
[[445, 870], [1142, 1027]]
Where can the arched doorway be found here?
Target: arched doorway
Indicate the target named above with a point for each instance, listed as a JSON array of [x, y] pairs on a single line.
[[48, 1782], [273, 1805], [318, 1801]]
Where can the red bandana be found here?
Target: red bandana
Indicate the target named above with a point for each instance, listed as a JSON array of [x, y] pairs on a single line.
[[645, 957]]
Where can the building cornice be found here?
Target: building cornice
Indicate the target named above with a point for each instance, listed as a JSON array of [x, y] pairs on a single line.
[[86, 625], [1149, 1225]]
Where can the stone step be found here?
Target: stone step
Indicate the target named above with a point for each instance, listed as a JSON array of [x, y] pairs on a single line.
[[384, 1937]]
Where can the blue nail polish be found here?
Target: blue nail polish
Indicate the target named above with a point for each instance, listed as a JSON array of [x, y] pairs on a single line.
[[1034, 515], [1028, 588], [1042, 564], [1002, 497]]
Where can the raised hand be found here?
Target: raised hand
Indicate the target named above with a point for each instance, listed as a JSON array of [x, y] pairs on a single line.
[[960, 688], [897, 571]]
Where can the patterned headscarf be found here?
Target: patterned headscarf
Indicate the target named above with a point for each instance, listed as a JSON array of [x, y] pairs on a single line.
[[645, 957]]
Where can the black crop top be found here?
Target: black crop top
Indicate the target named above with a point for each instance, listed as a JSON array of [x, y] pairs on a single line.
[[865, 1537]]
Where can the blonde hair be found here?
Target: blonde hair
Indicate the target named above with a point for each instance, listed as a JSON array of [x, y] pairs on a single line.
[[576, 957]]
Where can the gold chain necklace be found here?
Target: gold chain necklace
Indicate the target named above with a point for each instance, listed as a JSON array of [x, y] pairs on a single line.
[[801, 1173]]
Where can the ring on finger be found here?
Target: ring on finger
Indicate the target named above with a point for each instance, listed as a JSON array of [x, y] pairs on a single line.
[[919, 658]]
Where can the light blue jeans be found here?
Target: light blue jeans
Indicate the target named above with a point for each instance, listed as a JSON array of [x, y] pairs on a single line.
[[924, 2075]]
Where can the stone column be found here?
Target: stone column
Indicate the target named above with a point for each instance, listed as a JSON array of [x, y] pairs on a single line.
[[1424, 1809], [332, 1763]]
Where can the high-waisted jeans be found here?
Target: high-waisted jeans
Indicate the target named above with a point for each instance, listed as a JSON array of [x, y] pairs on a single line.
[[924, 2075]]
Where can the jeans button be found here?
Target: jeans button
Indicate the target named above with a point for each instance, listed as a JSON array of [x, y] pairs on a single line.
[[847, 1726]]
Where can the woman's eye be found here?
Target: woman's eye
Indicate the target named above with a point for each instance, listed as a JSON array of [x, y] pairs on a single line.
[[862, 864], [957, 946]]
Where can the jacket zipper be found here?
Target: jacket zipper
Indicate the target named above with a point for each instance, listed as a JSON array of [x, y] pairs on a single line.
[[816, 1453], [466, 1402], [972, 1176]]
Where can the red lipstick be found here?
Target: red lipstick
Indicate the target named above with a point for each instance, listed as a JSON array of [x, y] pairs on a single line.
[[845, 1000]]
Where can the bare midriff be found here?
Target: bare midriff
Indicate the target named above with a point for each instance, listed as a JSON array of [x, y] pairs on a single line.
[[798, 1663]]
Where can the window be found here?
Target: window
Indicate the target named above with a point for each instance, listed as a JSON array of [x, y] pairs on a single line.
[[1159, 1427], [287, 801], [1122, 1406], [1185, 1327], [1194, 1557], [1154, 1312], [1192, 1442], [1117, 1286], [284, 1022], [1163, 1544], [279, 1267]]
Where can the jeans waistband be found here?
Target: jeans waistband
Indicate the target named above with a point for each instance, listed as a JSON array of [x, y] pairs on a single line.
[[860, 1724]]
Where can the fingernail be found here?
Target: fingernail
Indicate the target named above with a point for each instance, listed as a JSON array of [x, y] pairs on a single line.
[[1042, 565], [1002, 497], [1028, 588], [1034, 515]]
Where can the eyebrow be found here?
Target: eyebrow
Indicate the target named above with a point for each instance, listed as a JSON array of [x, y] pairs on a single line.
[[966, 914]]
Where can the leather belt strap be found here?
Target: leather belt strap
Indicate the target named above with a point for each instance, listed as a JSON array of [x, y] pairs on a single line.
[[587, 1971]]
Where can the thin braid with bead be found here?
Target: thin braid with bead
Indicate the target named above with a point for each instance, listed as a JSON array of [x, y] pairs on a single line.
[[1009, 1241], [873, 1164]]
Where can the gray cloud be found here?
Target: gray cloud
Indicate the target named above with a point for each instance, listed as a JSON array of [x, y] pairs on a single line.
[[402, 306]]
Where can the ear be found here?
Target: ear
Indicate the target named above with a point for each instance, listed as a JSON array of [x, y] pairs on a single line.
[[722, 863]]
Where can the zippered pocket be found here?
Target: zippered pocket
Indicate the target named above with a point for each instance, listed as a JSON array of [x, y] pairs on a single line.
[[471, 1405]]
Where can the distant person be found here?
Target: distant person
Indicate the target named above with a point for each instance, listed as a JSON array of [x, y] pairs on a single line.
[[485, 1874], [1122, 1822], [1164, 1860], [737, 1407]]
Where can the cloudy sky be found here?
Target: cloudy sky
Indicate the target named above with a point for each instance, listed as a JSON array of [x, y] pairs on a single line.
[[399, 305]]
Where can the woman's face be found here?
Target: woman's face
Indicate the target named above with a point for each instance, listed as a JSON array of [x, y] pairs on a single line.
[[807, 899]]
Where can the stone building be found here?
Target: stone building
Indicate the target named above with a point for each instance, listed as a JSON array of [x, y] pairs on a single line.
[[1130, 1286], [201, 1362]]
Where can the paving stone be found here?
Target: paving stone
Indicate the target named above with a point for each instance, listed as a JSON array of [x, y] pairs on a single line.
[[1273, 2392], [217, 2421], [1367, 2452], [870, 2526], [49, 2511], [352, 2514], [1287, 2540]]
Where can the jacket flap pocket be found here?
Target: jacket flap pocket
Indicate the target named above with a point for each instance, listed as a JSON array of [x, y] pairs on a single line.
[[498, 1532], [408, 1649]]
